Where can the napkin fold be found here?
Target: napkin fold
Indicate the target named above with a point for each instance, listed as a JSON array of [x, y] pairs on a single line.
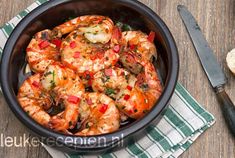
[[183, 122]]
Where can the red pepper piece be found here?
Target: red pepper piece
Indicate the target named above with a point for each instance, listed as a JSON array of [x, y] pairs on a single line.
[[77, 55], [29, 49], [132, 47], [90, 82], [151, 36], [88, 75], [43, 44], [89, 101], [57, 42], [103, 108], [100, 55], [73, 99], [36, 84], [127, 97], [117, 34], [129, 88], [72, 44], [108, 72], [93, 57], [62, 66], [116, 48], [131, 111]]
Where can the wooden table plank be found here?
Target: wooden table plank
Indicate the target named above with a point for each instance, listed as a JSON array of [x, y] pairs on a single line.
[[216, 19]]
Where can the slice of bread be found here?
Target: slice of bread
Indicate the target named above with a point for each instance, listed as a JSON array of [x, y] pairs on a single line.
[[230, 59]]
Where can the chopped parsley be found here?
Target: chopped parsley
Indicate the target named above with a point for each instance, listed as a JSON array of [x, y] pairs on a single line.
[[105, 79], [47, 73], [53, 80], [127, 77], [144, 86], [119, 24], [87, 125], [110, 91], [124, 27]]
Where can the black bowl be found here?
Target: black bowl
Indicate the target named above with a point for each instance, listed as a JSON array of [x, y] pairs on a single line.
[[53, 13]]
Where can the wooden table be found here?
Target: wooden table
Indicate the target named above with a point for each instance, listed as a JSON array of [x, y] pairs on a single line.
[[217, 21]]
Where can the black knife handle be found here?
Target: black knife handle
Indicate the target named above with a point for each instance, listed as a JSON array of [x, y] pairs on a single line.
[[227, 107]]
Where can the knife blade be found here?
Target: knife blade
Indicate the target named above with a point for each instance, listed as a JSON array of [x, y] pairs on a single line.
[[210, 65]]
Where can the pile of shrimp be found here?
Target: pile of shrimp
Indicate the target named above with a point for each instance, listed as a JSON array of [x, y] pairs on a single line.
[[96, 73]]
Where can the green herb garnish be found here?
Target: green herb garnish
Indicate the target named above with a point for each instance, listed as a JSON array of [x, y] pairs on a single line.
[[53, 80], [110, 91], [87, 125], [105, 79], [144, 86], [47, 73], [127, 77], [126, 27], [119, 24]]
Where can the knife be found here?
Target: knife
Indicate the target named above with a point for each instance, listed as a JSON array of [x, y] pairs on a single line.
[[209, 64]]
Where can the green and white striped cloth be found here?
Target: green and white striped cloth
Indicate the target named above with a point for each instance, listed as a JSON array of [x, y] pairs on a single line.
[[181, 125]]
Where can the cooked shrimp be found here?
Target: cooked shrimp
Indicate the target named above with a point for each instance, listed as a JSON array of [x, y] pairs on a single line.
[[134, 96], [69, 89], [111, 80], [96, 28], [140, 45], [81, 55], [99, 115], [41, 51], [34, 100], [136, 101]]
